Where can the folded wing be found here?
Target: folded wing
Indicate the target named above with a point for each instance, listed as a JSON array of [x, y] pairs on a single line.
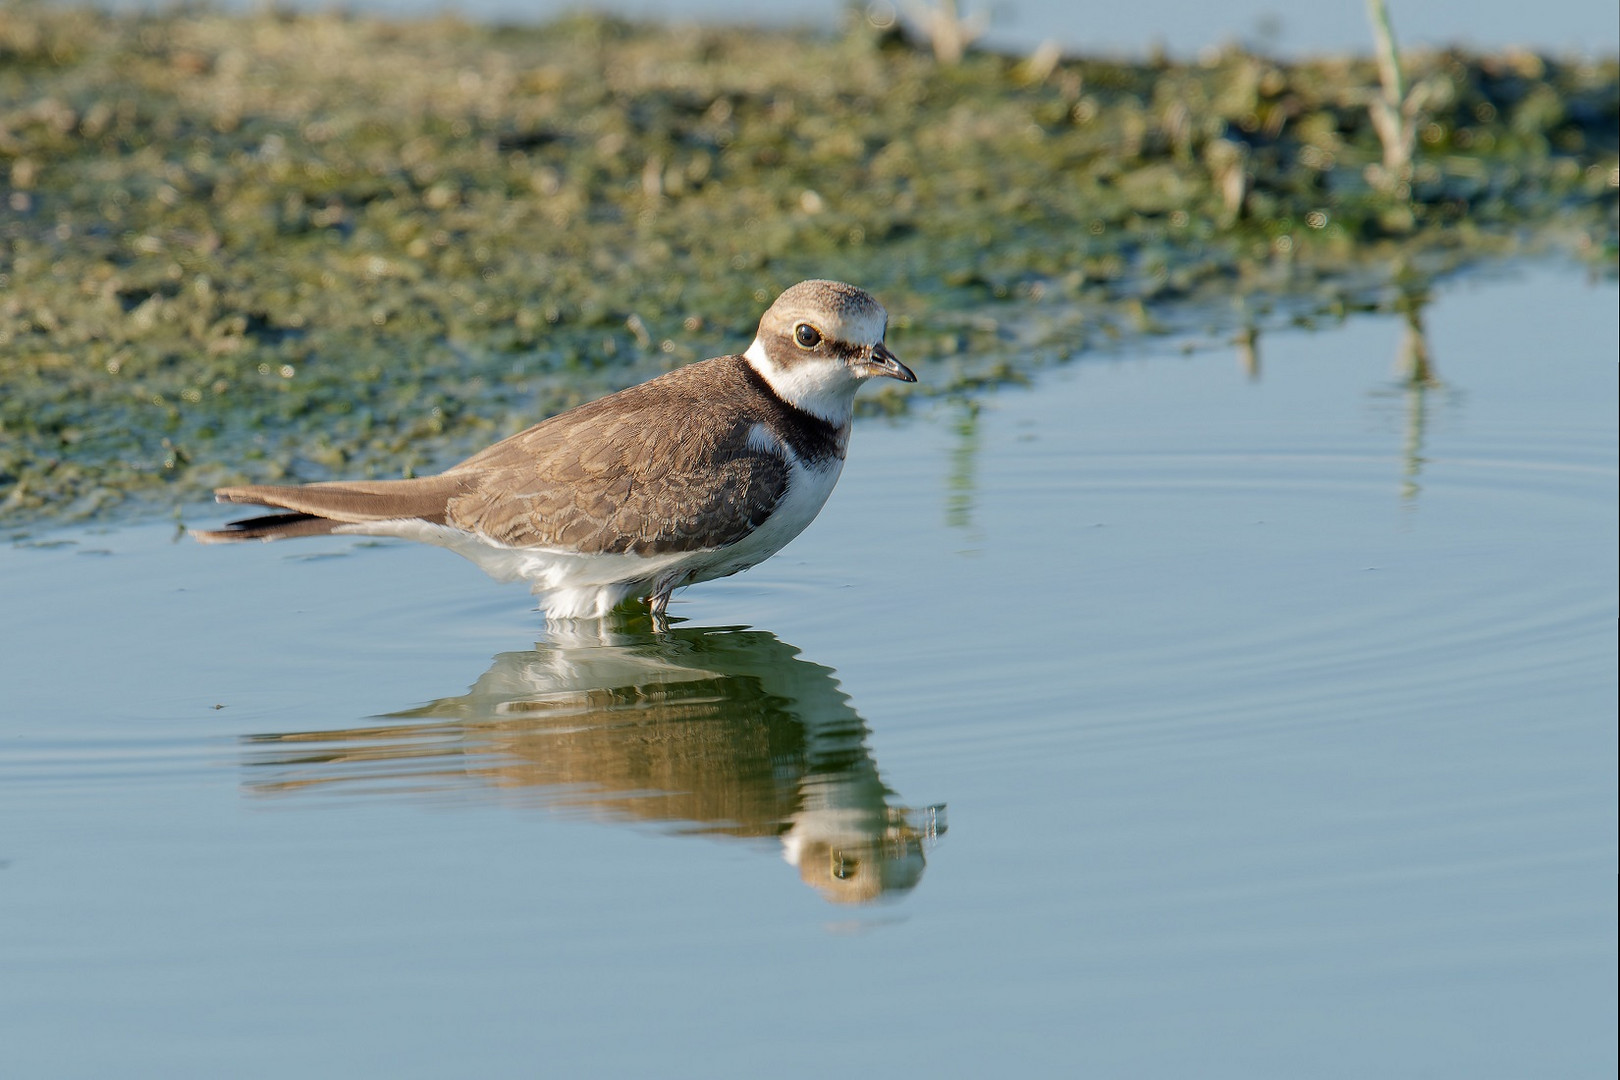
[[630, 473]]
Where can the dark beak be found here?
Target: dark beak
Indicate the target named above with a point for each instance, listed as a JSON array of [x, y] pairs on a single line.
[[884, 362]]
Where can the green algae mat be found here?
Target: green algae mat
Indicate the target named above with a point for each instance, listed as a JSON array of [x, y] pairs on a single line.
[[266, 247]]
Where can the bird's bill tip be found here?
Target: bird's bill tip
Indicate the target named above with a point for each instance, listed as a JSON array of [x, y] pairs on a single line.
[[886, 364]]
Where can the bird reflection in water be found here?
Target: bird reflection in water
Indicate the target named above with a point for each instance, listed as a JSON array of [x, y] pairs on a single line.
[[715, 731]]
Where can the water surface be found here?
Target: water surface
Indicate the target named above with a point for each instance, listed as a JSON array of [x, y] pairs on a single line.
[[1204, 709], [1183, 27]]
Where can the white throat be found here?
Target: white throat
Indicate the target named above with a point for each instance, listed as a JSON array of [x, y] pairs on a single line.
[[824, 388]]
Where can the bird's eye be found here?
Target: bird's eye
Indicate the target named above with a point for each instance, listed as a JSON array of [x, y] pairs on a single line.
[[806, 335]]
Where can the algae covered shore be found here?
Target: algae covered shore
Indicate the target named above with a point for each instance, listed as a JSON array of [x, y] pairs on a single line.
[[258, 247]]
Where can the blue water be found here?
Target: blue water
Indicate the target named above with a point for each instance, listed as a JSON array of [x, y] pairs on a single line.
[[1165, 718], [1181, 27]]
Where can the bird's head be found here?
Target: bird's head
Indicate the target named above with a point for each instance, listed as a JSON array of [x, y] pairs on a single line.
[[819, 342]]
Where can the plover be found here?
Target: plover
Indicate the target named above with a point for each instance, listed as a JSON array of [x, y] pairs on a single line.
[[694, 475]]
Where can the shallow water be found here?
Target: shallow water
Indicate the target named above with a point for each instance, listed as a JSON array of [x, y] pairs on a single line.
[[1188, 720], [1181, 27]]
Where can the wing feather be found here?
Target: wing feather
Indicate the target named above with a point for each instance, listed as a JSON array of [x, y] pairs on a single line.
[[666, 466], [354, 501], [661, 467]]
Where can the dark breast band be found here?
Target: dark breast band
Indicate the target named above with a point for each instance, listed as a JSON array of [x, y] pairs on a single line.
[[813, 439]]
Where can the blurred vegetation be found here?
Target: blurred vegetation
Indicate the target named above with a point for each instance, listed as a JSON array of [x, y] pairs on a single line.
[[279, 246]]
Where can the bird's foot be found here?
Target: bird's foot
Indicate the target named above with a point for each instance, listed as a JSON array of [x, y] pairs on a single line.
[[658, 607]]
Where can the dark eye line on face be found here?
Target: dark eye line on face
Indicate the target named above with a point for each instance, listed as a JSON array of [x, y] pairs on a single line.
[[809, 339]]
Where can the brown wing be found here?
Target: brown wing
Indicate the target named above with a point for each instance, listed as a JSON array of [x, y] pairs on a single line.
[[663, 466], [354, 500], [318, 508], [656, 468]]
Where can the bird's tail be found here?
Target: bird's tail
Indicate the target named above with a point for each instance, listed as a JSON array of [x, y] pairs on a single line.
[[267, 527], [318, 509]]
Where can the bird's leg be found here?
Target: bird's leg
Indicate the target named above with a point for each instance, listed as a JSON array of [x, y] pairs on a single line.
[[658, 603]]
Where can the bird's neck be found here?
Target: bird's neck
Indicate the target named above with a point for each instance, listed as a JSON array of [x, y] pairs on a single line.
[[823, 389]]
